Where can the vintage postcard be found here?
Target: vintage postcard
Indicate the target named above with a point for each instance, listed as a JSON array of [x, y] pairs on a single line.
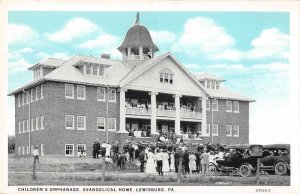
[[140, 96]]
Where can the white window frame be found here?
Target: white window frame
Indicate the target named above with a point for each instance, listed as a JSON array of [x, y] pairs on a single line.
[[115, 124], [31, 149], [72, 128], [87, 69], [238, 130], [101, 68], [217, 85], [32, 123], [23, 150], [42, 91], [84, 123], [208, 103], [27, 125], [36, 93], [77, 91], [42, 121], [207, 83], [66, 149], [115, 96], [227, 103], [207, 129], [84, 145], [228, 128], [23, 99], [93, 70], [19, 150], [31, 94], [42, 149], [72, 86], [27, 150], [217, 129], [99, 123], [99, 89], [19, 100], [27, 97], [20, 126], [212, 104], [37, 122], [238, 106], [23, 128]]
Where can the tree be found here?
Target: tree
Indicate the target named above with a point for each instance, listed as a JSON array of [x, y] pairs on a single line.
[[11, 144]]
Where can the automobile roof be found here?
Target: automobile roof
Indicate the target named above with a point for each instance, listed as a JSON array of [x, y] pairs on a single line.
[[277, 146]]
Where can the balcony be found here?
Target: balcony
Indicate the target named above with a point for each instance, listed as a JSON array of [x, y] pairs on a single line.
[[166, 113], [190, 115], [138, 111]]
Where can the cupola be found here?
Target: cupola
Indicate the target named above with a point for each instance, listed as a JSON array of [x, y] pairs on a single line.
[[138, 44]]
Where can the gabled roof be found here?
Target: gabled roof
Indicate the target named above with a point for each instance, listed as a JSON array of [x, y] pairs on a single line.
[[225, 93], [206, 75], [139, 70], [49, 62]]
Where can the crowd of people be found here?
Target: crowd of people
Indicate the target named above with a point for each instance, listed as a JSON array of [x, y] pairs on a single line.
[[161, 158]]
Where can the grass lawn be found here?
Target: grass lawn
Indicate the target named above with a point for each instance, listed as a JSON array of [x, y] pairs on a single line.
[[87, 171]]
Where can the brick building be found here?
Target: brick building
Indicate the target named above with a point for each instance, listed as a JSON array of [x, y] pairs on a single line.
[[70, 103]]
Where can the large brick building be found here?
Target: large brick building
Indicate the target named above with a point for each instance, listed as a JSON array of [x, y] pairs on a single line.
[[70, 103]]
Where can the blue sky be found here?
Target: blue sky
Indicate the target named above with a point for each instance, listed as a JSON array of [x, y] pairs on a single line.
[[249, 49]]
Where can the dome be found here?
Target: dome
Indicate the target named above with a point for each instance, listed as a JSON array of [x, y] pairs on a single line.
[[138, 35]]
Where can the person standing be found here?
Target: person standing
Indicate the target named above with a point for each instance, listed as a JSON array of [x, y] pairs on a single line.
[[204, 161], [165, 163], [131, 152], [159, 159], [172, 162], [192, 164], [186, 161], [35, 153], [150, 164], [95, 150], [142, 160]]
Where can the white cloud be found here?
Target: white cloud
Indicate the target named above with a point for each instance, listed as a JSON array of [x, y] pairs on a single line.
[[75, 28], [203, 35], [162, 37], [56, 55], [272, 67], [103, 41], [18, 65], [18, 33], [26, 50], [228, 54]]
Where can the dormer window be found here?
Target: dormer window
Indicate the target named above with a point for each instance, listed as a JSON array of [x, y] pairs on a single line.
[[95, 69], [91, 69], [166, 76], [37, 72], [208, 83], [217, 85], [88, 69], [101, 70]]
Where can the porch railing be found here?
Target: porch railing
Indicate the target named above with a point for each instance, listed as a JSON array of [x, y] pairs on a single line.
[[138, 111], [166, 113], [190, 115]]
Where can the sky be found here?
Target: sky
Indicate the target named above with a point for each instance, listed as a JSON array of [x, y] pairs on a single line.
[[250, 50]]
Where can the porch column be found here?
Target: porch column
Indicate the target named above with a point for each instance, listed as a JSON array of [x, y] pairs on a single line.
[[129, 53], [122, 111], [177, 115], [153, 113], [203, 126], [141, 56]]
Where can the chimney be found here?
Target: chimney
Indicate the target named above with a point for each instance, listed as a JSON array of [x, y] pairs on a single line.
[[105, 56]]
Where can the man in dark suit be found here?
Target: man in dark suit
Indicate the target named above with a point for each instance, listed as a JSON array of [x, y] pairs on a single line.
[[142, 160]]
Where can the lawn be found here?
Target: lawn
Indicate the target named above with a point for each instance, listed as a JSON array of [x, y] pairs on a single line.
[[87, 171]]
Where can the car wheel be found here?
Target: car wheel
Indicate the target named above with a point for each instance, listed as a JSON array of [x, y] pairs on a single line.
[[212, 169], [244, 170], [280, 168]]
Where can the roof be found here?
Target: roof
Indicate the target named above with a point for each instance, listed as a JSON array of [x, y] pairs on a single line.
[[282, 146], [68, 73], [49, 62], [225, 93], [206, 75], [242, 146], [138, 35]]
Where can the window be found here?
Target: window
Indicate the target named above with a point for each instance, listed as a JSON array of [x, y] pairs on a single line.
[[42, 150], [19, 150], [23, 99], [81, 122], [236, 107], [28, 125], [214, 104], [208, 104], [69, 121], [23, 129], [112, 95], [23, 150], [42, 122], [81, 92], [42, 91], [37, 93], [171, 79], [101, 70], [215, 130], [69, 91], [88, 69], [100, 123], [19, 100], [161, 77], [228, 106], [80, 147], [31, 148], [208, 129], [217, 85], [100, 94], [31, 95], [208, 83], [213, 84], [236, 130], [37, 123], [228, 130], [20, 126], [27, 150], [69, 149], [27, 97], [166, 78], [95, 70], [112, 124], [32, 124]]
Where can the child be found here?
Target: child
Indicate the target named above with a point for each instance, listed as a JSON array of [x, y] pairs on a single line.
[[36, 153]]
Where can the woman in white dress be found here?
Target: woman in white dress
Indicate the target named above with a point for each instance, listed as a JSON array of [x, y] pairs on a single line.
[[150, 165], [172, 164], [192, 163], [165, 163]]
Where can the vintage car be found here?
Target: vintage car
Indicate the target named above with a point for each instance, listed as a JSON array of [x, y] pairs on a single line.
[[242, 160], [276, 159]]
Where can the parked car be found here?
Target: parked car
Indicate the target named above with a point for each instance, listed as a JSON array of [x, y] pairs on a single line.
[[242, 160], [276, 159]]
